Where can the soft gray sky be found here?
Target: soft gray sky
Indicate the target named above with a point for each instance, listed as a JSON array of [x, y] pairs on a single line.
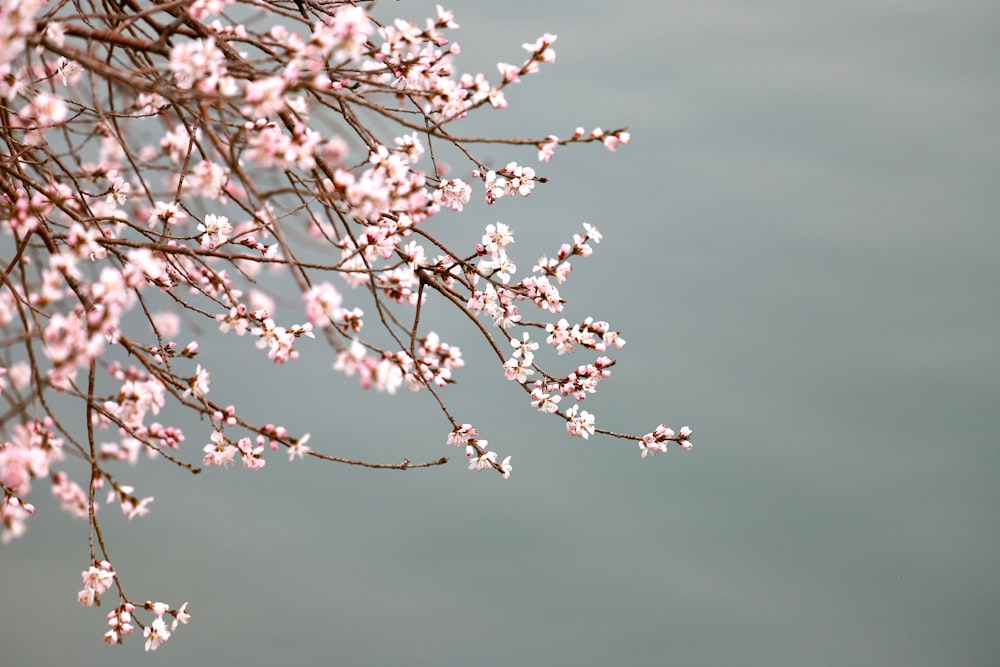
[[803, 251]]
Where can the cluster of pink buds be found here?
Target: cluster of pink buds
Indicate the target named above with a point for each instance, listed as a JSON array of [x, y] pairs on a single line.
[[657, 441]]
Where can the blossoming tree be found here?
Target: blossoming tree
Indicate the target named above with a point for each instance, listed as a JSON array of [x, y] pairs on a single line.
[[166, 160]]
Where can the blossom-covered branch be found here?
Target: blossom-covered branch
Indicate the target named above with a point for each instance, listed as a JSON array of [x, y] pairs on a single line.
[[169, 161]]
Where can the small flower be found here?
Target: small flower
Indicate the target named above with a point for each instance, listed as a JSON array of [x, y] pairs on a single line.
[[580, 423], [593, 233], [199, 384], [139, 509], [158, 608], [119, 191], [55, 32], [410, 145], [481, 461], [497, 237], [219, 452], [166, 214], [684, 434], [460, 437], [506, 468], [180, 616], [612, 141], [544, 402], [540, 49], [96, 580], [251, 455], [100, 577], [156, 633], [524, 348], [216, 230], [520, 180], [547, 150], [68, 70], [299, 449], [518, 369]]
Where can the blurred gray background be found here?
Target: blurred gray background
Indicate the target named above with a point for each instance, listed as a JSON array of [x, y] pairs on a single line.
[[802, 247]]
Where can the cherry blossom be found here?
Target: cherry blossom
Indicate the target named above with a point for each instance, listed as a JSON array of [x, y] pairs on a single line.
[[200, 63], [216, 230], [524, 348], [251, 455], [220, 452], [541, 49], [580, 423], [156, 633], [299, 448], [13, 515], [120, 621], [482, 459], [454, 194], [199, 383], [96, 580], [461, 435], [657, 441], [497, 237]]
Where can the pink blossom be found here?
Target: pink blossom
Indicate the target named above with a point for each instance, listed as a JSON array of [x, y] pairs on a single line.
[[343, 36], [177, 143], [509, 72], [544, 402], [264, 96], [219, 452], [180, 616], [166, 214], [207, 179], [482, 460], [411, 146], [547, 150], [251, 455], [71, 496], [46, 110], [96, 580], [580, 423], [454, 194], [612, 141], [657, 441], [199, 383], [541, 49], [497, 237], [520, 180], [323, 304], [216, 230], [156, 633], [13, 514], [460, 436], [299, 448], [68, 71], [168, 324], [119, 192], [524, 348], [203, 9], [200, 63]]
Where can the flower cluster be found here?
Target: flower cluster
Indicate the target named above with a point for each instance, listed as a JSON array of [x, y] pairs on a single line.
[[513, 179], [156, 632], [580, 423], [96, 580], [477, 450], [657, 441]]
